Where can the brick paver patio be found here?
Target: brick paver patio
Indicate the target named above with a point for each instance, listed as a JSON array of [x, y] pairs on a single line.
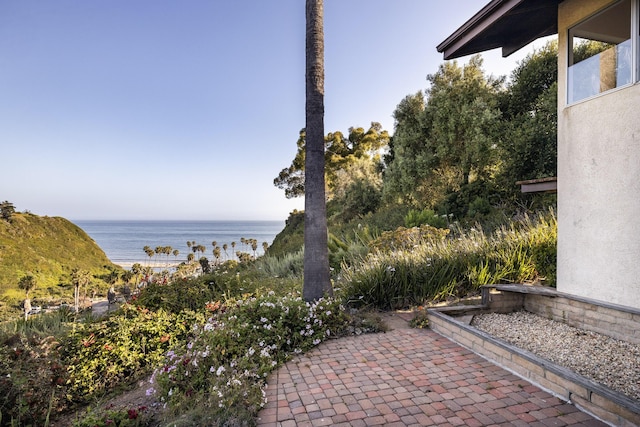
[[406, 377]]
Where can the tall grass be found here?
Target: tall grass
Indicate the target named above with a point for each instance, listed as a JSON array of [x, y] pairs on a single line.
[[54, 323], [455, 266]]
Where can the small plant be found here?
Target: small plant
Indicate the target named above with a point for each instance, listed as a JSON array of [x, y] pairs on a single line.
[[111, 417], [416, 218], [420, 320]]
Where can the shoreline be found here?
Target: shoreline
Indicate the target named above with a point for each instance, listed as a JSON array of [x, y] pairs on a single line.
[[152, 264]]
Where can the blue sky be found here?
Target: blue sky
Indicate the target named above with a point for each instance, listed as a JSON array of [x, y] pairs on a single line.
[[147, 109]]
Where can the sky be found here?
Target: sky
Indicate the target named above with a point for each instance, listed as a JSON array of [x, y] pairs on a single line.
[[187, 110]]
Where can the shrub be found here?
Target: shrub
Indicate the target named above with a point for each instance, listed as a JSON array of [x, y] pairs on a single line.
[[32, 380], [407, 270], [121, 348], [416, 218]]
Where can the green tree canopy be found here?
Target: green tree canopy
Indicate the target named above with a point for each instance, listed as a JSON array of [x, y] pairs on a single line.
[[7, 210], [529, 145], [447, 140], [27, 283], [341, 153]]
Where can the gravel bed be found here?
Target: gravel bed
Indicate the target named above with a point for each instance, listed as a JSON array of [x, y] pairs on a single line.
[[605, 360]]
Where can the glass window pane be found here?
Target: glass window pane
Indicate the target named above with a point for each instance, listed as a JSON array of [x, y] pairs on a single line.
[[600, 56]]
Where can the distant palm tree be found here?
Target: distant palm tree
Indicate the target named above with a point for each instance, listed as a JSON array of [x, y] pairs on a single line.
[[79, 278], [233, 249], [254, 247], [216, 254], [316, 280], [224, 248], [175, 255], [150, 252], [27, 284], [136, 269]]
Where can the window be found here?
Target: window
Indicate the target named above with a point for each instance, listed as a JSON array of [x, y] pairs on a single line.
[[602, 53]]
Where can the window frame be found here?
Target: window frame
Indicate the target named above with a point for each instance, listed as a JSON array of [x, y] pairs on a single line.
[[634, 48]]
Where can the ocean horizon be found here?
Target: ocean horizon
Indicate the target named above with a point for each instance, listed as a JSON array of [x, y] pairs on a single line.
[[123, 240]]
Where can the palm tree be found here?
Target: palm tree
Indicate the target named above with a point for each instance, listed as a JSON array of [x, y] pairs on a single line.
[[317, 281], [224, 248], [27, 284], [254, 247], [216, 255], [79, 278]]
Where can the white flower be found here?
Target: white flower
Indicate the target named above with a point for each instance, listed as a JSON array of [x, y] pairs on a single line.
[[220, 370], [251, 351], [316, 341]]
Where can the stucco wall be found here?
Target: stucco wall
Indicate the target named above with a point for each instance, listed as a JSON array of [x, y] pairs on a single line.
[[598, 184]]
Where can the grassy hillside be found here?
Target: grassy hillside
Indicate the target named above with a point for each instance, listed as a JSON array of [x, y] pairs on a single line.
[[48, 248]]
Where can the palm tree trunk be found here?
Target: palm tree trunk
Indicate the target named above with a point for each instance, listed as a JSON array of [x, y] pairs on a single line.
[[316, 253]]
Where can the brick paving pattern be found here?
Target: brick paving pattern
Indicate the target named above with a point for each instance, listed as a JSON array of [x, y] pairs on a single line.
[[406, 377]]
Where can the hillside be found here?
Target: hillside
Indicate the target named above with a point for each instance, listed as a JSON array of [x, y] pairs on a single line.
[[48, 248]]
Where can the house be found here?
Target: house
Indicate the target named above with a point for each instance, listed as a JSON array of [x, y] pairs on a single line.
[[598, 181]]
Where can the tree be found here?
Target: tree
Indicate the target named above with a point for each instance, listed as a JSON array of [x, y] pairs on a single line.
[[529, 148], [79, 278], [340, 154], [27, 284], [444, 150], [316, 280], [7, 210]]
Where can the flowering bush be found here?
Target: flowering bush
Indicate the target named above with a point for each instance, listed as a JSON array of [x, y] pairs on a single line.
[[121, 348], [224, 367], [32, 380]]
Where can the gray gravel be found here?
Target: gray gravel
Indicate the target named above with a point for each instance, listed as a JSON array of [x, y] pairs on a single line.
[[610, 362]]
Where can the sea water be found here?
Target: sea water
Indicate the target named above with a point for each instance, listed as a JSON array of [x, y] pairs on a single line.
[[123, 241]]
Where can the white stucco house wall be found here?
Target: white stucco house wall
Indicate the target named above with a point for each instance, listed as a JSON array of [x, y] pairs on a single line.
[[598, 181]]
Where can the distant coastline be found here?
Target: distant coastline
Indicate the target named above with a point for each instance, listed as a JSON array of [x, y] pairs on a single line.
[[123, 241]]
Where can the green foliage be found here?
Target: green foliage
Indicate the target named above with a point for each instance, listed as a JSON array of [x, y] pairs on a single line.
[[27, 284], [289, 265], [7, 210], [48, 248], [130, 417], [402, 239], [408, 274], [32, 373], [340, 154], [416, 218], [291, 238], [183, 294], [121, 348], [529, 145]]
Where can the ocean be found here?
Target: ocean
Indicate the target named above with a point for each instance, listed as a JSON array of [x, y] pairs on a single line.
[[123, 241]]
